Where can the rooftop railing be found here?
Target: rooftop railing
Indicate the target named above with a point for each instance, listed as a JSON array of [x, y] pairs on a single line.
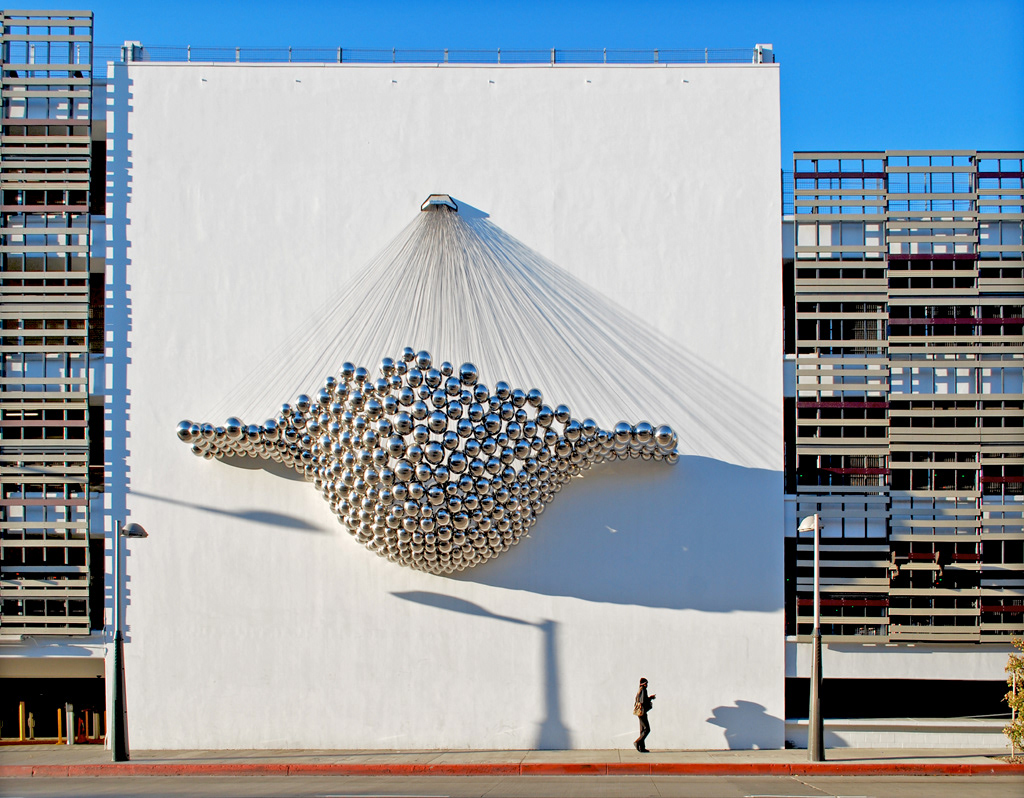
[[787, 192], [345, 55]]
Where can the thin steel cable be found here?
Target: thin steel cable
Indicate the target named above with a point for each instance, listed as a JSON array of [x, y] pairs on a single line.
[[464, 290]]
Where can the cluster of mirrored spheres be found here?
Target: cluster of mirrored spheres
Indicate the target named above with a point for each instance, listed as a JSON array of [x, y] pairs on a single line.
[[425, 465]]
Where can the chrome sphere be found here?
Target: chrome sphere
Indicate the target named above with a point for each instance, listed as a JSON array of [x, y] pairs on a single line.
[[433, 452], [437, 422], [423, 360], [403, 470], [374, 408], [403, 423], [468, 374], [185, 431], [233, 429], [643, 432]]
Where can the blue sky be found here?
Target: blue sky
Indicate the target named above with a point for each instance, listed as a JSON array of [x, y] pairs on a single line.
[[900, 74]]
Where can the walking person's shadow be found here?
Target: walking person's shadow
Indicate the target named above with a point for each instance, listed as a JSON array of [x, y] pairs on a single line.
[[745, 724]]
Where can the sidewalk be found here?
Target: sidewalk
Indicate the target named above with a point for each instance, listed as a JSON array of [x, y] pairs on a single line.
[[53, 761]]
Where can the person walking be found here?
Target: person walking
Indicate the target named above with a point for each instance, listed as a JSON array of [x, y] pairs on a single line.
[[641, 706]]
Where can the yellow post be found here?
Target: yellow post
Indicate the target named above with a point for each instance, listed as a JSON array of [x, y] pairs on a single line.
[[21, 721], [60, 725]]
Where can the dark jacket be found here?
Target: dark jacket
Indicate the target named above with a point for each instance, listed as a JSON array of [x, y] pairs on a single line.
[[644, 700]]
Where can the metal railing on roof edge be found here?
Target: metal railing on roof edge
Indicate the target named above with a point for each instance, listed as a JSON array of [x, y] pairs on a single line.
[[336, 55], [787, 192]]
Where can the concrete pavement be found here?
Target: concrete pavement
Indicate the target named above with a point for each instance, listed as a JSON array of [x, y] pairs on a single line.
[[54, 761]]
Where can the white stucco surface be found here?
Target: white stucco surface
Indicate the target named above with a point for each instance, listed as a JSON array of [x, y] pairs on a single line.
[[902, 661], [239, 196]]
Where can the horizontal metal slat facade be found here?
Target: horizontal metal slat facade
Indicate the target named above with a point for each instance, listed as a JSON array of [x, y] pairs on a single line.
[[45, 172], [902, 205]]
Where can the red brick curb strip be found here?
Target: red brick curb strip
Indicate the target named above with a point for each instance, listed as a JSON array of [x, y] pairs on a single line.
[[513, 769]]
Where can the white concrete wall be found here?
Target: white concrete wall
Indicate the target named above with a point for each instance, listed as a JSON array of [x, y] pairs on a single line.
[[952, 734], [902, 661], [239, 195]]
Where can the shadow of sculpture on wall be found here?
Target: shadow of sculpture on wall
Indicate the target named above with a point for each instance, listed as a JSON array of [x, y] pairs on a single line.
[[551, 732], [688, 536]]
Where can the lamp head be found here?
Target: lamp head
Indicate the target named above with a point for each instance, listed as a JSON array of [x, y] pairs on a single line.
[[807, 525], [133, 531]]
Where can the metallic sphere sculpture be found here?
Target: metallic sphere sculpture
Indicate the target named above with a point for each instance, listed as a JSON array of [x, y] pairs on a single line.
[[425, 466]]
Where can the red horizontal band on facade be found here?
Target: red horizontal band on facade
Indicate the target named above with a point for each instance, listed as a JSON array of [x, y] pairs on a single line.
[[81, 502], [921, 555], [13, 120], [81, 209], [932, 256], [37, 423], [838, 175], [855, 470], [846, 602], [1001, 479], [1004, 320], [967, 558], [1001, 174], [840, 405], [1002, 607]]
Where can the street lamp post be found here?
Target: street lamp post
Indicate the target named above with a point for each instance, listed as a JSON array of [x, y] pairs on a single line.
[[119, 729], [815, 723]]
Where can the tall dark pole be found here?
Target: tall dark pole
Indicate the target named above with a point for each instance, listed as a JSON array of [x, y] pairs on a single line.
[[119, 743], [815, 723]]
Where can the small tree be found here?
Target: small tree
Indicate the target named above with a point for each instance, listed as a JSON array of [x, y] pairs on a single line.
[[1015, 698]]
